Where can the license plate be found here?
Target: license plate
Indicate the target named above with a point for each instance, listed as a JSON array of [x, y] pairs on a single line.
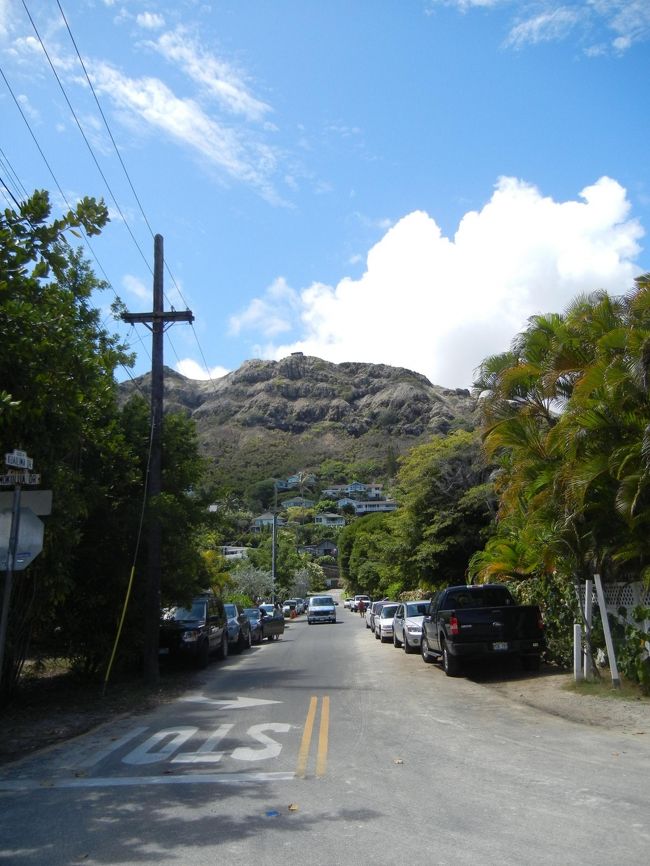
[[500, 645]]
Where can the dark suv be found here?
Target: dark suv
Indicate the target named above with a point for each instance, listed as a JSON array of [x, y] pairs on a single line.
[[195, 632]]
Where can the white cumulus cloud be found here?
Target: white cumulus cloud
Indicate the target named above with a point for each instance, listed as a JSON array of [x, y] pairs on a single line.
[[192, 370], [441, 305]]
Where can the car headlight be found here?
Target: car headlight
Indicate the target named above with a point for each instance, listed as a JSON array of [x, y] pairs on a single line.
[[413, 629], [190, 636]]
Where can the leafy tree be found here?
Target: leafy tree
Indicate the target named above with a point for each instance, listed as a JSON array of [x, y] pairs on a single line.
[[59, 362], [446, 511]]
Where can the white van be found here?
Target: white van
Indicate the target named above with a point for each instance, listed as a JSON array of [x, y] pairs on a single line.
[[322, 608]]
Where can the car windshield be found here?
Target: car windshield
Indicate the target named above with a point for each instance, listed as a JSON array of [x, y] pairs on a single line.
[[230, 609], [182, 614], [266, 608], [416, 608], [252, 613], [388, 611], [322, 602]]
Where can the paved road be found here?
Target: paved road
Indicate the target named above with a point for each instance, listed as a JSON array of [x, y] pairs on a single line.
[[327, 747]]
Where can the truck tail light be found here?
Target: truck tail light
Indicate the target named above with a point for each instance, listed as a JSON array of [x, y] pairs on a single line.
[[453, 624]]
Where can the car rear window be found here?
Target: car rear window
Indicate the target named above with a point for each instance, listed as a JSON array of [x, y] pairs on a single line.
[[417, 608]]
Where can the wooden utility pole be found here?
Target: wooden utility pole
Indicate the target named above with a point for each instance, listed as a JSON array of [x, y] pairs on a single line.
[[156, 322]]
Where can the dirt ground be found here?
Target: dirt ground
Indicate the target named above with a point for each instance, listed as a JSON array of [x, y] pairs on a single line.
[[54, 708], [598, 704]]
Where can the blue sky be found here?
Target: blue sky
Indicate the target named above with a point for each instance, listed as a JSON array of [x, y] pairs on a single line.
[[392, 181]]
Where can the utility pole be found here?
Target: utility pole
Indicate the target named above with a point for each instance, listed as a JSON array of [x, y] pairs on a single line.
[[156, 322]]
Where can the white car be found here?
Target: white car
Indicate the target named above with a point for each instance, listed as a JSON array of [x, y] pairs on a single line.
[[407, 626], [384, 621], [322, 608]]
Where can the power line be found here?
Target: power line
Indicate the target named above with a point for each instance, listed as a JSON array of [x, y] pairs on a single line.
[[83, 135], [62, 194]]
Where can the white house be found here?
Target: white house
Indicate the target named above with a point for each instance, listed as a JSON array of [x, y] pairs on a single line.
[[374, 506], [329, 519]]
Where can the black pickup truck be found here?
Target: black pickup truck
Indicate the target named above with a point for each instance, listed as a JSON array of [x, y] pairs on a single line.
[[483, 621]]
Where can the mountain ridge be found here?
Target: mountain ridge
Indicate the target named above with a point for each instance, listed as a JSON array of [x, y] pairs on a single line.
[[272, 417]]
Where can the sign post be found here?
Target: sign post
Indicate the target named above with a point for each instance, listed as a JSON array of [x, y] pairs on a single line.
[[17, 460]]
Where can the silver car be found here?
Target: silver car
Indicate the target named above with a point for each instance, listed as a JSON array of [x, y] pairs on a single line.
[[407, 626], [373, 611], [384, 621]]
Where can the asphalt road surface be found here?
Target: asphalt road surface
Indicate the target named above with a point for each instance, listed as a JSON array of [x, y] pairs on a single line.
[[327, 747]]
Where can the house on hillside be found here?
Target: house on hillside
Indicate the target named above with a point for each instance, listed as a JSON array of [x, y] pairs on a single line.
[[329, 519], [325, 548], [375, 506], [231, 552], [298, 502], [265, 521]]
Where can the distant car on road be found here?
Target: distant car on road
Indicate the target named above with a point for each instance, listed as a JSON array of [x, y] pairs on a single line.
[[354, 604], [322, 608]]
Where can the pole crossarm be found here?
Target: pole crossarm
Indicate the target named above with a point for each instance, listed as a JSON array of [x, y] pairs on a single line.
[[145, 318]]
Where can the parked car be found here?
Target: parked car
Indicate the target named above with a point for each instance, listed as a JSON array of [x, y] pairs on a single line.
[[301, 606], [254, 615], [384, 621], [372, 612], [272, 621], [346, 602], [290, 606], [483, 621], [407, 626], [239, 628], [322, 608], [195, 632]]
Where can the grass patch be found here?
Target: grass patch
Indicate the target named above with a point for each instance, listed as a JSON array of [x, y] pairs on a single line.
[[603, 688]]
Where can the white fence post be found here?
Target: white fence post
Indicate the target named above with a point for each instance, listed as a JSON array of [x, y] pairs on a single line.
[[589, 607], [577, 652], [616, 682]]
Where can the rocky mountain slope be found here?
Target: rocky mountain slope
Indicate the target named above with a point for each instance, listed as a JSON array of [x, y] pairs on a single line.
[[274, 417]]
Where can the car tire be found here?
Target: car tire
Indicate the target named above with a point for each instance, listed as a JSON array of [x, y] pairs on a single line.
[[407, 646], [396, 643], [223, 649], [450, 664], [203, 655], [377, 635], [424, 651]]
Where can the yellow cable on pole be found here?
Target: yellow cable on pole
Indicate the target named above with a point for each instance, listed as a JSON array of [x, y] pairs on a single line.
[[119, 630]]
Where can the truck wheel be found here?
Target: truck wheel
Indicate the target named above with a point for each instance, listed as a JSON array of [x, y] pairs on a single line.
[[396, 642], [450, 664], [424, 650]]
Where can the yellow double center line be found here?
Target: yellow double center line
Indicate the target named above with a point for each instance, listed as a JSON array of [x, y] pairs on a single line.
[[323, 738]]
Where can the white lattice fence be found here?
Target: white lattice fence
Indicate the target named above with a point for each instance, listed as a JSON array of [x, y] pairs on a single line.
[[618, 595]]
